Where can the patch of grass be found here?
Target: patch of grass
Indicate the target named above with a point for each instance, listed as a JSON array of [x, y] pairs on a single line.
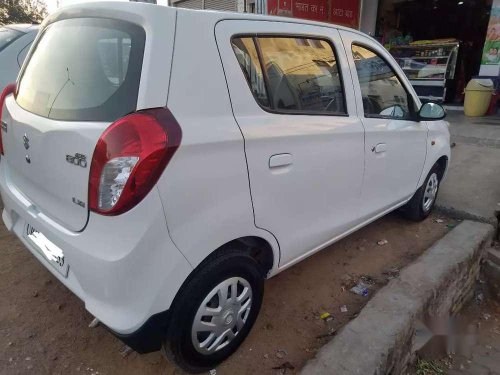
[[424, 367]]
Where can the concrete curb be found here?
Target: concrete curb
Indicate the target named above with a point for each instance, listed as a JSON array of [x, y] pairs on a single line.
[[492, 273], [460, 214], [381, 338]]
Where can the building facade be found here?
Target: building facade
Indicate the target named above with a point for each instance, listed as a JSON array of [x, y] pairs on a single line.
[[404, 27], [249, 6], [358, 14]]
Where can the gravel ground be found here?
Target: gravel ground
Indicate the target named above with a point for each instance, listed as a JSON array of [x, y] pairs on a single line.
[[44, 327]]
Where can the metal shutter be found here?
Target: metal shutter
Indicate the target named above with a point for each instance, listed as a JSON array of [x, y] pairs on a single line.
[[189, 4], [225, 5]]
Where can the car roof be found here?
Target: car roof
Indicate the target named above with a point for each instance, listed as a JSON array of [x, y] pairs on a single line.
[[23, 27], [215, 15]]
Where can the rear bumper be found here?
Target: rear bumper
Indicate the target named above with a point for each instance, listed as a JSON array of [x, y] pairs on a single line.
[[149, 337], [125, 268]]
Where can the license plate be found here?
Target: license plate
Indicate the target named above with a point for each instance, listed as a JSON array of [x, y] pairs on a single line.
[[51, 252]]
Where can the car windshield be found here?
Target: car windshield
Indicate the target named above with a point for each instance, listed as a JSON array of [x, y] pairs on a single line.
[[7, 36]]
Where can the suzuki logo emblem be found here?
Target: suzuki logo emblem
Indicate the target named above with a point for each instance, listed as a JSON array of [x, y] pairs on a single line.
[[26, 141]]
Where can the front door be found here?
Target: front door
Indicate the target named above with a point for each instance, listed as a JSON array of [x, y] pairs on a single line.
[[292, 99], [395, 144]]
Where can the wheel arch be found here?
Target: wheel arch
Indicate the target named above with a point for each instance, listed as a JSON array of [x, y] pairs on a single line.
[[438, 151], [257, 247], [442, 160], [443, 166]]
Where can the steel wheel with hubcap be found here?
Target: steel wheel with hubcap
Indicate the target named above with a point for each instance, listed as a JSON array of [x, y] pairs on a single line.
[[215, 310], [422, 202], [221, 315], [430, 192]]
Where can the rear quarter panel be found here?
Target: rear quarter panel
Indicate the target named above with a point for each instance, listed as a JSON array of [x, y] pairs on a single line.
[[205, 188]]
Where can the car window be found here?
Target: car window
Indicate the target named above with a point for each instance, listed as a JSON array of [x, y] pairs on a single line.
[[92, 73], [7, 36], [301, 75], [22, 55], [114, 56], [383, 93], [246, 53]]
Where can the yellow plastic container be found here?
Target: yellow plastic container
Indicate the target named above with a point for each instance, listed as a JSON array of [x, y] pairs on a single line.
[[477, 97]]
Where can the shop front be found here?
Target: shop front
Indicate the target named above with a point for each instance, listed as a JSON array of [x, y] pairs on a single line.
[[438, 43]]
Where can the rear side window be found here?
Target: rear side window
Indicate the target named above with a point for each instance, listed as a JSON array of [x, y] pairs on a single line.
[[246, 53], [84, 69], [8, 36], [298, 75]]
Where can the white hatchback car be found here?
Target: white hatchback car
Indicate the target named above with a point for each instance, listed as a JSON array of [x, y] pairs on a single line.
[[163, 162], [15, 42]]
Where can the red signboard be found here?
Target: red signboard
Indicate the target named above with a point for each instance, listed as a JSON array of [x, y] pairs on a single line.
[[285, 4], [345, 12], [342, 12], [316, 10], [272, 7], [280, 8]]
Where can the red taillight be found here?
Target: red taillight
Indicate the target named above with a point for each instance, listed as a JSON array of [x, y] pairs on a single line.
[[129, 158], [10, 89]]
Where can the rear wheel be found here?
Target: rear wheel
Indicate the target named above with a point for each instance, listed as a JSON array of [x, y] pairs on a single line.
[[421, 204], [215, 312]]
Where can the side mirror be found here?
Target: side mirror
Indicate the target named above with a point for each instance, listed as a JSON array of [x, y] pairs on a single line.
[[431, 112]]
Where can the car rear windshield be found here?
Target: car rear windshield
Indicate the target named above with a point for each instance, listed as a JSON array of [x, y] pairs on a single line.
[[84, 69], [7, 36]]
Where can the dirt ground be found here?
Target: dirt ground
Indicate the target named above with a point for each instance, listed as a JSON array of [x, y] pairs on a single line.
[[44, 327]]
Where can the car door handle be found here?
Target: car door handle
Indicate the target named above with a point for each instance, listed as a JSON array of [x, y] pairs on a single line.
[[381, 147], [280, 160]]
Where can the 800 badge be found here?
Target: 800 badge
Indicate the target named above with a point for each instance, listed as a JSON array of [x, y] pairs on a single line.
[[77, 159]]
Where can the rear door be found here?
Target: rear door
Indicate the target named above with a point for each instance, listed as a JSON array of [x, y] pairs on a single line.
[[83, 74], [292, 97]]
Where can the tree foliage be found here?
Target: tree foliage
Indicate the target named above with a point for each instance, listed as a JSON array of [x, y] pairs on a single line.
[[22, 11]]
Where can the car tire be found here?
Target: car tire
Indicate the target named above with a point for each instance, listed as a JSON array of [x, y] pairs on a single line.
[[422, 203], [197, 307]]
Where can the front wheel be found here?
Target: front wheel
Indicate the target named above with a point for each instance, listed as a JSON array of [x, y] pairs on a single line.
[[421, 204], [215, 312]]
